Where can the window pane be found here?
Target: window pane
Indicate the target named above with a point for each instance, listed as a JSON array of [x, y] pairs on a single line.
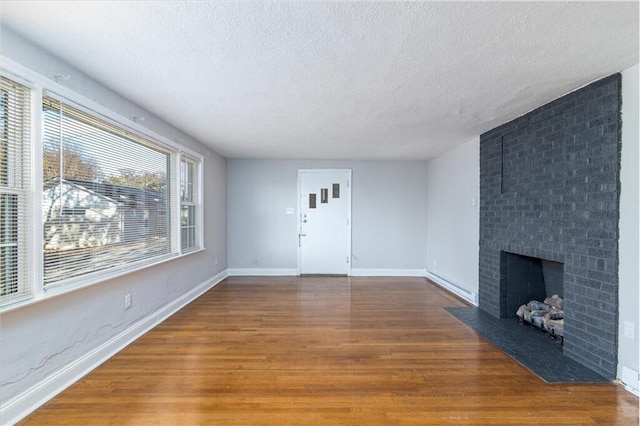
[[188, 216], [4, 143], [183, 239], [9, 271], [15, 208], [186, 181], [189, 196], [184, 216], [105, 195], [8, 219], [8, 244], [192, 236], [192, 216]]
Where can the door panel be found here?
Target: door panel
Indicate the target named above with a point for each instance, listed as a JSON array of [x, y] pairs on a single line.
[[324, 221]]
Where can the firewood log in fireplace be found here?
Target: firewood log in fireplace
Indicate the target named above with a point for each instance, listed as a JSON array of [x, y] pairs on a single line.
[[555, 301], [548, 316]]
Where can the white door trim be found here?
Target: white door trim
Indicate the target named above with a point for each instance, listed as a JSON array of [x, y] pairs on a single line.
[[299, 211]]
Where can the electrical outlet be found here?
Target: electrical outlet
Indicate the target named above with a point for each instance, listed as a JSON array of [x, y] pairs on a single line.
[[629, 330], [127, 300], [216, 260]]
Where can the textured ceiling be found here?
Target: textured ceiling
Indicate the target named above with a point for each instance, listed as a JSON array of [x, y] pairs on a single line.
[[345, 80]]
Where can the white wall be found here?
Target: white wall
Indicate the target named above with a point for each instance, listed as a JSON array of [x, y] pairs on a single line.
[[40, 340], [629, 275], [388, 214], [453, 223]]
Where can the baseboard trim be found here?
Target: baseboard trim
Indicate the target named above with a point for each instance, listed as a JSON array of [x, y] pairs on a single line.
[[22, 405], [630, 379], [454, 288], [364, 272], [261, 272]]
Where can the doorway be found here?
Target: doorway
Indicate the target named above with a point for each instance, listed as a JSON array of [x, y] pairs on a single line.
[[324, 228]]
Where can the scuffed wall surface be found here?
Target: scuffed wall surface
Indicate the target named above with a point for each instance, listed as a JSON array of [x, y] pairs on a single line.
[[38, 340]]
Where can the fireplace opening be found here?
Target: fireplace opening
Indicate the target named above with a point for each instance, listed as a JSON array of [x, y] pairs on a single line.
[[532, 291]]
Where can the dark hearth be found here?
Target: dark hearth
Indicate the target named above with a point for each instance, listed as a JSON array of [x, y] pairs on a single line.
[[549, 189], [532, 349]]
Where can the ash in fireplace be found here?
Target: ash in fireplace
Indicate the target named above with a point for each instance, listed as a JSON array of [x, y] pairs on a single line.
[[547, 315]]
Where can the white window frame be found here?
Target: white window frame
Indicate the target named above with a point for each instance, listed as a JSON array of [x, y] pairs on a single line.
[[195, 202], [27, 276], [38, 85]]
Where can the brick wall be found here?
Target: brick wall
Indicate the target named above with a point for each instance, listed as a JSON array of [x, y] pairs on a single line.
[[549, 188]]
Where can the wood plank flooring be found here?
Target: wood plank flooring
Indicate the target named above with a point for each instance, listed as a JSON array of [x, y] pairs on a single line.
[[324, 351]]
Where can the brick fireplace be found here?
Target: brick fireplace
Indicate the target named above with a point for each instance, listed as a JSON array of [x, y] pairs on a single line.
[[549, 189]]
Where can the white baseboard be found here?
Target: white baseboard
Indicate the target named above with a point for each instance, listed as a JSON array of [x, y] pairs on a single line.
[[362, 272], [630, 379], [22, 405], [270, 272], [454, 288], [261, 272]]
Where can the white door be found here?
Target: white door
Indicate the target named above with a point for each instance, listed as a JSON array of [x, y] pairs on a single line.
[[324, 239]]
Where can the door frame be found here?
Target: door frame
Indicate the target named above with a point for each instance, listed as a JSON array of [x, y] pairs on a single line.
[[299, 216]]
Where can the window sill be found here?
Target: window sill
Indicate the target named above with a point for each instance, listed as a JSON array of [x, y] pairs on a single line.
[[65, 288]]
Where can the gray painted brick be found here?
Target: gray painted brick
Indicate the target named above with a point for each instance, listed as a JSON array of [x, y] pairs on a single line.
[[549, 188]]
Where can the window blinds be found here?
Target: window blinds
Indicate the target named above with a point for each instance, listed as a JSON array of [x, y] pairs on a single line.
[[15, 182], [106, 195]]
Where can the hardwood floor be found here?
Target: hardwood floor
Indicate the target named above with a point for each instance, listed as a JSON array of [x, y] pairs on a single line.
[[324, 351]]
